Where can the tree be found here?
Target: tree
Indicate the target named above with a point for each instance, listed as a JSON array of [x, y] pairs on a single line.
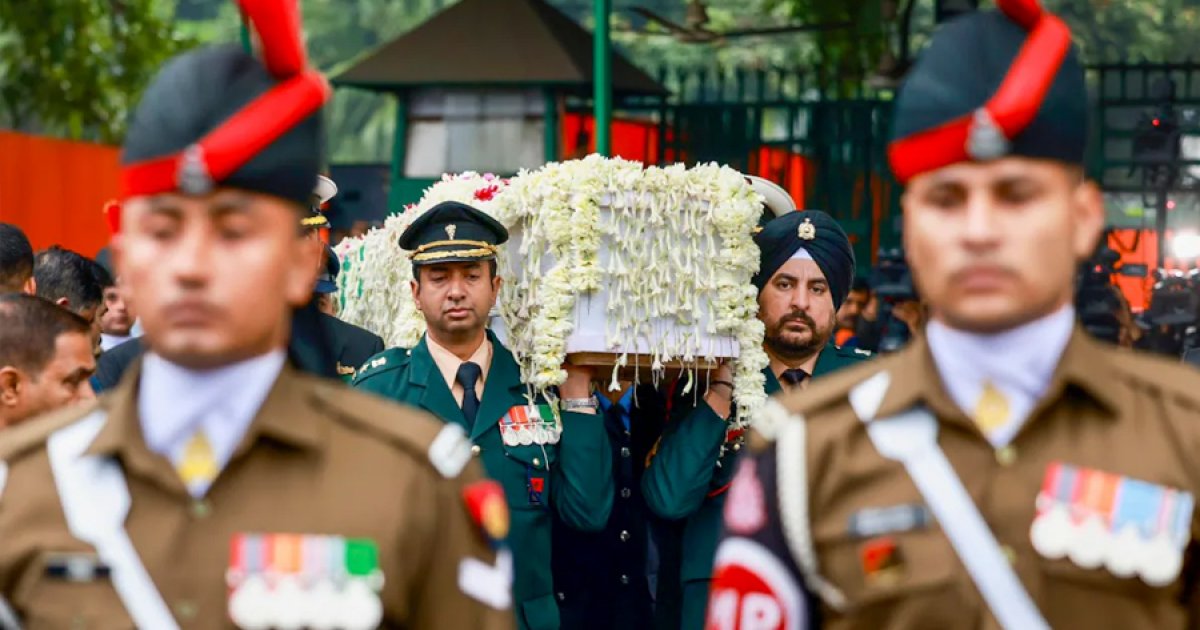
[[75, 68]]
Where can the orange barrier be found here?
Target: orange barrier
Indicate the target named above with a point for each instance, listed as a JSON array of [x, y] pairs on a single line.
[[55, 190]]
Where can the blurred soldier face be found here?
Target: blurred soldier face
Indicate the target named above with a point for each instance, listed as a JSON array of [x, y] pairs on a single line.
[[456, 298], [62, 381], [115, 317], [797, 309], [214, 278], [995, 245], [852, 309]]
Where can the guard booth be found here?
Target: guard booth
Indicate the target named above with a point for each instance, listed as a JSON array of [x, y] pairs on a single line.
[[482, 86]]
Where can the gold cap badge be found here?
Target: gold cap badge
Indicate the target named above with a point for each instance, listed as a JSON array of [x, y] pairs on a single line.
[[450, 230], [807, 231]]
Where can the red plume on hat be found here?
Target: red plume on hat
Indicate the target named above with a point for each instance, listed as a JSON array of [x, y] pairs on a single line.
[[300, 92], [986, 132]]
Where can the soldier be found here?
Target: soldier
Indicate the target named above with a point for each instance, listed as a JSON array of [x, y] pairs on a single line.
[[464, 375], [805, 271], [217, 486], [1006, 470]]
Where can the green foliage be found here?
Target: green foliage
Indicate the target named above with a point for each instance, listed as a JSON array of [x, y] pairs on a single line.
[[75, 68]]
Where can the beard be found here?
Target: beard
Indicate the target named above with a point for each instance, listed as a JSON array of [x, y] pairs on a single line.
[[790, 345]]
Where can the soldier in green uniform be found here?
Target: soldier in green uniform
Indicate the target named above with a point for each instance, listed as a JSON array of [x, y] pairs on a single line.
[[806, 267], [465, 376]]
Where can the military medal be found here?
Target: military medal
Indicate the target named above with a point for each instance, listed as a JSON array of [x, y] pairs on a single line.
[[530, 424], [1098, 519], [294, 581]]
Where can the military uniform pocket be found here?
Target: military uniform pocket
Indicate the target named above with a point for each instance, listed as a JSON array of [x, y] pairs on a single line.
[[905, 576], [57, 601]]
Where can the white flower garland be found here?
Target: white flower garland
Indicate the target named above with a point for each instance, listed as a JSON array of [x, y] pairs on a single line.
[[671, 249]]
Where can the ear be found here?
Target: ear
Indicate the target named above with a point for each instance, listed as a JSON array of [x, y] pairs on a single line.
[[302, 273], [497, 283], [415, 287], [1088, 218], [30, 287], [10, 386]]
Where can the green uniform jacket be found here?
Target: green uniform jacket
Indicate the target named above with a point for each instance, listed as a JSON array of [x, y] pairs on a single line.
[[575, 474], [687, 478]]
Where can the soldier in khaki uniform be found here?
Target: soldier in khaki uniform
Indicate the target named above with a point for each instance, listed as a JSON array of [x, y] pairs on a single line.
[[1005, 471], [217, 486]]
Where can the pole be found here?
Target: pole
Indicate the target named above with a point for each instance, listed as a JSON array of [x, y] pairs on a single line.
[[399, 151], [551, 124], [245, 33], [602, 76]]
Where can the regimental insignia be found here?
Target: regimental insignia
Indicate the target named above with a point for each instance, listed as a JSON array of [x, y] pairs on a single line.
[[807, 231], [451, 230], [882, 561], [1099, 519], [488, 509], [296, 581], [193, 177], [380, 362], [985, 139], [530, 424]]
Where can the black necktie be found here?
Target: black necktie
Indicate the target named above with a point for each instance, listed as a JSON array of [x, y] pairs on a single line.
[[793, 378], [468, 375]]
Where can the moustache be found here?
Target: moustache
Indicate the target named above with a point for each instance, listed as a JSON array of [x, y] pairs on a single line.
[[797, 317]]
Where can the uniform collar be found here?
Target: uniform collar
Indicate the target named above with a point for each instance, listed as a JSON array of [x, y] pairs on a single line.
[[285, 416], [1084, 366], [448, 363]]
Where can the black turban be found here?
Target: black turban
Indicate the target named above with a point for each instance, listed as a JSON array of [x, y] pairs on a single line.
[[818, 234]]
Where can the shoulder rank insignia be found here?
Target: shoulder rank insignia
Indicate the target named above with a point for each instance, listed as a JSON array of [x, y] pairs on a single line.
[[865, 353], [450, 450], [488, 509], [345, 370]]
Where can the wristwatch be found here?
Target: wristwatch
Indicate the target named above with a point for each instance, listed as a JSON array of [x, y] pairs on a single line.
[[576, 404]]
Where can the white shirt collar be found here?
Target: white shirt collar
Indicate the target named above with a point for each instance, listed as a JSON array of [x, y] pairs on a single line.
[[174, 402], [1019, 362], [108, 342]]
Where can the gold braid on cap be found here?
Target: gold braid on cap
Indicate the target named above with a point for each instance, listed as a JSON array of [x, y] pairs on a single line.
[[456, 253], [314, 221], [428, 246]]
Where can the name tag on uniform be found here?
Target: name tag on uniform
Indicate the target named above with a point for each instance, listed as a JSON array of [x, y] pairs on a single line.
[[297, 580], [77, 567], [873, 522], [1099, 519], [530, 424]]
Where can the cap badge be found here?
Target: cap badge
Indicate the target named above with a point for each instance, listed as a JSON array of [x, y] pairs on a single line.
[[451, 230], [193, 176], [807, 231], [985, 139]]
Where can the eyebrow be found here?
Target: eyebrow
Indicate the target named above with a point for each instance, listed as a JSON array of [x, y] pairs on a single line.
[[224, 204], [81, 373]]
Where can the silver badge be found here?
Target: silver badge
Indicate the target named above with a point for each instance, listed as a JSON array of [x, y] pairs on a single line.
[[985, 139], [450, 230], [193, 177]]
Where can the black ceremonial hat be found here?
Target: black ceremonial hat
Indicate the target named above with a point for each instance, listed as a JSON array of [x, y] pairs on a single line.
[[218, 116], [452, 232], [992, 84]]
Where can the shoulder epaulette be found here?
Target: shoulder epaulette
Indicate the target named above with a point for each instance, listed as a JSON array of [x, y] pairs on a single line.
[[445, 447], [390, 359], [28, 436]]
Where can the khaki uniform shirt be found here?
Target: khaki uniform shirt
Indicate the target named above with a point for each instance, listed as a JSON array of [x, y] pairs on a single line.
[[1107, 409], [318, 458], [448, 363]]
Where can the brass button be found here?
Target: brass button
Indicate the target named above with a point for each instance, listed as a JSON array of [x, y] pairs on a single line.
[[475, 450], [185, 609], [1009, 553], [625, 451], [1006, 456], [624, 579], [201, 509], [537, 463], [625, 492], [624, 535]]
